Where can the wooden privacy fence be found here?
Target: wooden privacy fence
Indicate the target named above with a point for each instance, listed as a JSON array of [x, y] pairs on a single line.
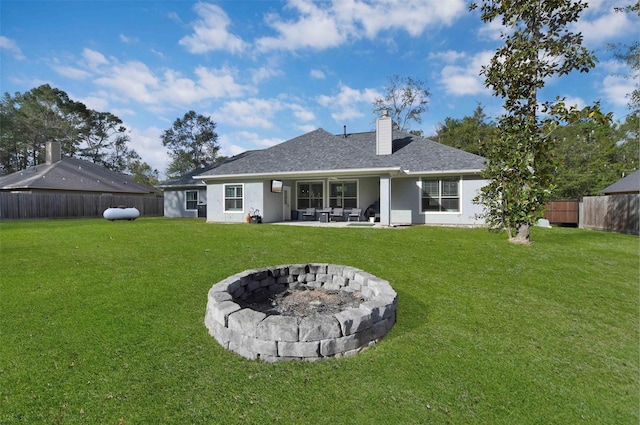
[[47, 205], [562, 212], [618, 213]]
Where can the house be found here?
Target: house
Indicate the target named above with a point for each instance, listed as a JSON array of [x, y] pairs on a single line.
[[410, 179], [186, 196], [60, 175], [625, 186]]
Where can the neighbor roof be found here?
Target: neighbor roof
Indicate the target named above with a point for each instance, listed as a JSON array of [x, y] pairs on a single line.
[[629, 184], [72, 174], [320, 152]]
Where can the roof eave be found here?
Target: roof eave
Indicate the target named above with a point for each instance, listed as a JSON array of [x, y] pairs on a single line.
[[443, 172], [304, 174], [198, 183]]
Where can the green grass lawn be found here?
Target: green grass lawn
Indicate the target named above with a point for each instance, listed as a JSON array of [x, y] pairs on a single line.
[[102, 322]]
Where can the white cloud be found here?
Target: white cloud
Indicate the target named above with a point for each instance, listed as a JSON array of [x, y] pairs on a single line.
[[327, 25], [149, 146], [135, 81], [348, 103], [251, 113], [221, 82], [71, 72], [615, 89], [578, 102], [12, 46], [123, 112], [233, 143], [128, 40], [157, 53], [316, 73], [316, 28], [132, 80], [605, 26], [210, 32], [412, 16], [264, 73], [98, 103], [461, 80], [302, 113], [493, 30], [306, 128], [94, 59], [449, 56]]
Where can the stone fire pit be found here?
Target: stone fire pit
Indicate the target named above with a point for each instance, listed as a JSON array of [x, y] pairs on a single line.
[[300, 311]]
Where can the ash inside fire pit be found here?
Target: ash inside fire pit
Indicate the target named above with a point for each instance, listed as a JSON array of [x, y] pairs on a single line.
[[302, 302]]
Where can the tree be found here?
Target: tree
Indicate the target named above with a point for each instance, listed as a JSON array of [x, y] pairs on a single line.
[[406, 99], [630, 54], [537, 45], [587, 159], [105, 140], [141, 171], [192, 143], [29, 120], [470, 133]]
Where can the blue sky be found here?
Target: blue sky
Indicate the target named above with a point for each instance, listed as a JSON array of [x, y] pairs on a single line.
[[267, 71]]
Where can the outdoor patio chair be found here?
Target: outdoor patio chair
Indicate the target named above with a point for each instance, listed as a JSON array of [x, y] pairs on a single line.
[[355, 213], [310, 212], [337, 213]]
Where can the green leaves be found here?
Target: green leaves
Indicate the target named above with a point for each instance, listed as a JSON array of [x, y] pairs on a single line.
[[537, 45], [192, 143]]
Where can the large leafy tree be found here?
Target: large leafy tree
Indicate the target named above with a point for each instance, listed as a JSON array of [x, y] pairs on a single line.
[[470, 133], [105, 139], [192, 143], [538, 45], [588, 158], [30, 119], [405, 99]]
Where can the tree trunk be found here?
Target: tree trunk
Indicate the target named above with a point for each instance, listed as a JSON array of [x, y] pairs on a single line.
[[523, 236]]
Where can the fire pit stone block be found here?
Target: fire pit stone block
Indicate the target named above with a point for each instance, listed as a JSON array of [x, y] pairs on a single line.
[[274, 337]]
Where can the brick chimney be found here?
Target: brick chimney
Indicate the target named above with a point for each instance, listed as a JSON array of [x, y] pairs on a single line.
[[53, 153], [384, 134]]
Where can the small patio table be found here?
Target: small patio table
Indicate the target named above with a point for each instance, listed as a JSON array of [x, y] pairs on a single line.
[[324, 214]]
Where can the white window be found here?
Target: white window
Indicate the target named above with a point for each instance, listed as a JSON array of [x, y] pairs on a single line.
[[343, 194], [440, 195], [310, 195], [233, 198], [192, 200]]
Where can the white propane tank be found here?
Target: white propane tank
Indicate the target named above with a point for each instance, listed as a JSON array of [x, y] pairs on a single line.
[[121, 213]]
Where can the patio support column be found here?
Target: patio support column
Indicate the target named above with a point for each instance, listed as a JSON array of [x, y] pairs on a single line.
[[385, 200]]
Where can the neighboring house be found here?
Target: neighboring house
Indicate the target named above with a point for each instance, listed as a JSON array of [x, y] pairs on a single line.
[[61, 175], [410, 179], [625, 186]]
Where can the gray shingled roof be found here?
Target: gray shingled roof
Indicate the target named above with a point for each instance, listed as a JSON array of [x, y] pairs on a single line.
[[189, 180], [320, 151], [72, 174], [629, 184]]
